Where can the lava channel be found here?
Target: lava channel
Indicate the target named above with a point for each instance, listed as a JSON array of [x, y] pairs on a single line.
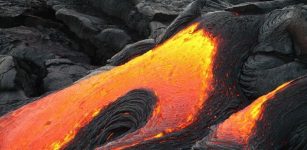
[[234, 132], [179, 71]]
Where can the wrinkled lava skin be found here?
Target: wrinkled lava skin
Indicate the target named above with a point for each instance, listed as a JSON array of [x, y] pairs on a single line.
[[226, 98], [238, 127], [179, 72], [276, 120]]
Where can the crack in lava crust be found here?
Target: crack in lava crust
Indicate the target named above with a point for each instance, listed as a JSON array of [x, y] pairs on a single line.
[[179, 71]]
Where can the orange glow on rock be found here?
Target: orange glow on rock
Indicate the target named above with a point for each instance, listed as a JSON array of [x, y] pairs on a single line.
[[179, 71], [239, 126]]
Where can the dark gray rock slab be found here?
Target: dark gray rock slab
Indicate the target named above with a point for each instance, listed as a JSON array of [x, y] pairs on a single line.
[[109, 42], [14, 77], [63, 72], [39, 44], [113, 38], [162, 10], [8, 73], [125, 10], [14, 8], [84, 26]]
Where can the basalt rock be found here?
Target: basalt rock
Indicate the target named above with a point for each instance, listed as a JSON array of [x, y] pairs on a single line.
[[16, 84], [126, 11], [15, 8], [270, 61], [109, 42], [39, 44], [14, 77], [63, 72], [84, 26], [162, 10]]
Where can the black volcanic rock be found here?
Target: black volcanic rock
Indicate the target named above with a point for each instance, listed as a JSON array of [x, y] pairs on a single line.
[[63, 72], [275, 59], [162, 10], [15, 84], [14, 77], [109, 42], [38, 45], [8, 73], [113, 38], [125, 10], [84, 26], [14, 8]]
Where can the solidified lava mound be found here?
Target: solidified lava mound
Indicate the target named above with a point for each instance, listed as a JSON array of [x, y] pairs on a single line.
[[153, 74]]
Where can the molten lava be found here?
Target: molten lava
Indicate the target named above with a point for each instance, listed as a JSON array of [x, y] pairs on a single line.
[[239, 126], [179, 71]]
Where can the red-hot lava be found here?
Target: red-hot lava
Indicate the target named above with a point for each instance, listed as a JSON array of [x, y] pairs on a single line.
[[239, 127], [179, 71]]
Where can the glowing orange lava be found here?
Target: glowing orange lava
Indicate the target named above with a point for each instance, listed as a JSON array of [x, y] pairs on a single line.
[[179, 72], [239, 126]]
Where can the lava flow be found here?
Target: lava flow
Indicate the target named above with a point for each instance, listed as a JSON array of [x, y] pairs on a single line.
[[239, 126], [179, 72]]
